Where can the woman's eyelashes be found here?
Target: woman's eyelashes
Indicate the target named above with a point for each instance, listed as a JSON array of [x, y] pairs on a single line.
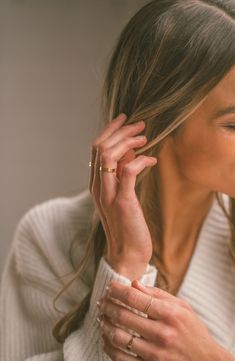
[[230, 127]]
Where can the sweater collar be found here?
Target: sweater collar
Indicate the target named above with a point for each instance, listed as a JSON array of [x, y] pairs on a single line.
[[208, 285]]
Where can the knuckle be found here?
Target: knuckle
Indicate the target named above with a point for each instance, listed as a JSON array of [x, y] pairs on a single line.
[[128, 170], [168, 337], [185, 304], [120, 315], [174, 312], [102, 147], [127, 295], [107, 155], [156, 333], [158, 292], [133, 298], [116, 356], [116, 337], [142, 157], [152, 356]]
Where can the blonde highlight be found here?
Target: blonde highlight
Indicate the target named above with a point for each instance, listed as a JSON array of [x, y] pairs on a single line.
[[147, 83]]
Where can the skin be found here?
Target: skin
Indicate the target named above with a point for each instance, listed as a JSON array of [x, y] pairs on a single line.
[[197, 162], [193, 165], [172, 331]]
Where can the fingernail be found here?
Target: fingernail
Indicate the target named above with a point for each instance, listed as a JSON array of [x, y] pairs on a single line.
[[122, 116], [153, 158], [98, 304]]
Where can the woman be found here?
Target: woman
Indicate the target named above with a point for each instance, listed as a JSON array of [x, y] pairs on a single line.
[[164, 218]]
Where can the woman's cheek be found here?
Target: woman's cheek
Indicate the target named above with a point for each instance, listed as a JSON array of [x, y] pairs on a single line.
[[197, 162]]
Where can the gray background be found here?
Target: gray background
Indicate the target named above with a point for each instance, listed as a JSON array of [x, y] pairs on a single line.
[[53, 55]]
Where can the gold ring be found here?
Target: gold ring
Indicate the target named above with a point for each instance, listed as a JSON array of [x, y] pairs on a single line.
[[109, 170], [103, 169], [147, 307], [130, 342]]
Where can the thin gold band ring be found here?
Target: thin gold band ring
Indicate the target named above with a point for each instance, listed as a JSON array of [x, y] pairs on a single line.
[[104, 169], [147, 307], [130, 342]]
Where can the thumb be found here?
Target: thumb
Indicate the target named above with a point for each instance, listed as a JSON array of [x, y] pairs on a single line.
[[129, 156]]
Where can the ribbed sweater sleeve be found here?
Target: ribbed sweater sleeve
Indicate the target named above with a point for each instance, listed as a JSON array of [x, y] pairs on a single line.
[[30, 281], [85, 343]]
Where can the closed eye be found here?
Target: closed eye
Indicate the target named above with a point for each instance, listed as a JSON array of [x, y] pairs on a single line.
[[230, 127]]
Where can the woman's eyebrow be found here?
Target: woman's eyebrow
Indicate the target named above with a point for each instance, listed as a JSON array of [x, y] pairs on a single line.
[[220, 112]]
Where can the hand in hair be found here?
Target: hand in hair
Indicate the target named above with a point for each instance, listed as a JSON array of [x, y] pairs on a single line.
[[129, 244]]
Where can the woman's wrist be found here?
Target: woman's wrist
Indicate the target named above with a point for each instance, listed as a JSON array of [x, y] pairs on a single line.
[[129, 269]]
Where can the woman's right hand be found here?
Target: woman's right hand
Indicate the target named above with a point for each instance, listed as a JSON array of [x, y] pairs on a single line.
[[129, 244]]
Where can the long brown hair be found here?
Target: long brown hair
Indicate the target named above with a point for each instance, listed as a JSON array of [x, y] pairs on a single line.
[[166, 60]]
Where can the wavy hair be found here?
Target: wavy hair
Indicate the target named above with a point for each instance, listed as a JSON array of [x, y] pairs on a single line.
[[165, 62]]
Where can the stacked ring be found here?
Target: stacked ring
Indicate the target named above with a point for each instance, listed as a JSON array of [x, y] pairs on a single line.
[[147, 307], [104, 169], [130, 342]]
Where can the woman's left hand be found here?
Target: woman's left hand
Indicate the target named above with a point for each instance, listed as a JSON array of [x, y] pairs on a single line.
[[171, 332]]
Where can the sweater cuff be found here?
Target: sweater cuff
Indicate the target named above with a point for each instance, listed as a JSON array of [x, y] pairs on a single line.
[[105, 274], [86, 342]]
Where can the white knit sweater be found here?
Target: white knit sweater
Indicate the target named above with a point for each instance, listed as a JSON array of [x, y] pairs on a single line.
[[39, 257]]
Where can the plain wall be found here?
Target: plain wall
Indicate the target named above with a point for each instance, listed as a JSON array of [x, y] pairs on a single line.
[[53, 55]]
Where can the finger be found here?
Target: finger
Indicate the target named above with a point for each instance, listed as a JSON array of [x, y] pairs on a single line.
[[122, 132], [109, 137], [119, 290], [113, 133], [115, 353], [153, 291], [110, 158], [126, 319], [108, 130], [159, 293], [94, 183], [119, 338], [130, 171], [136, 299], [96, 193]]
